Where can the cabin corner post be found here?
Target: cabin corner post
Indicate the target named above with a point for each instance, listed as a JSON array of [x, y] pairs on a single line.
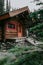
[[3, 31]]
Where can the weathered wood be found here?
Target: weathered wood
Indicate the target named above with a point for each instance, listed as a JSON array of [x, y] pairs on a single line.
[[14, 13]]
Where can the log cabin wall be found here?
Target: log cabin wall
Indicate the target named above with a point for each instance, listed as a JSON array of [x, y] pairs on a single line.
[[13, 29]]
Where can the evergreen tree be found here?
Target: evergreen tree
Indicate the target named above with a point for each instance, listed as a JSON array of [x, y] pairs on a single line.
[[8, 6], [1, 7], [37, 17], [4, 7]]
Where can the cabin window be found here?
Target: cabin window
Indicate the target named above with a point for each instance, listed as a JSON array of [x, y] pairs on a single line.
[[11, 26]]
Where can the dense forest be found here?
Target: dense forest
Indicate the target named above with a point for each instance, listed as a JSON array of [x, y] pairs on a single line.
[[37, 27], [37, 19], [1, 6], [4, 7]]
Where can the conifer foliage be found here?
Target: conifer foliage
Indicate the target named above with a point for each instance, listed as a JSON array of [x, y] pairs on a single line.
[[18, 58]]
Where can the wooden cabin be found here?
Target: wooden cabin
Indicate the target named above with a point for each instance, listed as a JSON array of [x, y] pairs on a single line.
[[12, 24]]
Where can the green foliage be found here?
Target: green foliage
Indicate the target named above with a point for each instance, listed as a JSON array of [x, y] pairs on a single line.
[[27, 59], [37, 30], [40, 34], [1, 6], [4, 60], [32, 58], [39, 26], [37, 16]]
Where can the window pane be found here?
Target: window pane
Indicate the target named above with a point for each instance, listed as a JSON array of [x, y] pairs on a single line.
[[11, 26]]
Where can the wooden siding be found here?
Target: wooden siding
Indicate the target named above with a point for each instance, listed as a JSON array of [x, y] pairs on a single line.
[[12, 33]]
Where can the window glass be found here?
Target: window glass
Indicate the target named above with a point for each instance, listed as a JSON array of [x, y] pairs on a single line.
[[11, 26]]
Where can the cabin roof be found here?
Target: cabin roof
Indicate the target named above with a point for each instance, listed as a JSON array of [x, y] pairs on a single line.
[[14, 13]]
